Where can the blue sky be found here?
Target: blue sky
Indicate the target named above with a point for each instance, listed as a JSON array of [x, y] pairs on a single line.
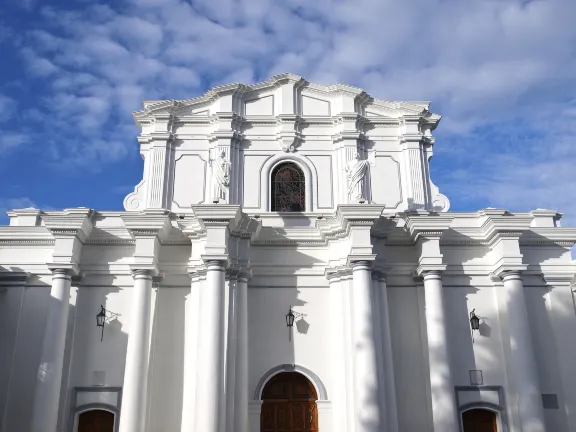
[[501, 72]]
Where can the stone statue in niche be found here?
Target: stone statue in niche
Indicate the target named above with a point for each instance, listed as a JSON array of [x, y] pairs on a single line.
[[357, 169], [220, 177]]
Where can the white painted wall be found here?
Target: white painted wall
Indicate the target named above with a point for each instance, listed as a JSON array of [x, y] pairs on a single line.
[[284, 277]]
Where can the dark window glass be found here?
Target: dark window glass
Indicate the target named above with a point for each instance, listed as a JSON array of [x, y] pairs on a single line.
[[288, 188]]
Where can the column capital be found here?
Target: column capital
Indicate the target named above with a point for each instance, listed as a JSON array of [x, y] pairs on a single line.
[[142, 268], [510, 275], [63, 271], [214, 264], [143, 273], [220, 260], [352, 260], [245, 274], [425, 269], [360, 265], [431, 274], [507, 273]]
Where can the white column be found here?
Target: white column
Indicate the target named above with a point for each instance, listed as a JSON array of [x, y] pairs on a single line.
[[230, 353], [388, 367], [441, 386], [192, 309], [210, 403], [347, 321], [49, 378], [338, 353], [133, 410], [241, 389], [366, 406], [524, 363]]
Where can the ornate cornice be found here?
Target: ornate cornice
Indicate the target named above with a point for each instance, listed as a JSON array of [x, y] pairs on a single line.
[[74, 222], [149, 223]]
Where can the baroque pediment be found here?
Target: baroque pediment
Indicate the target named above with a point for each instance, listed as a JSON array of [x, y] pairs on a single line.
[[284, 94]]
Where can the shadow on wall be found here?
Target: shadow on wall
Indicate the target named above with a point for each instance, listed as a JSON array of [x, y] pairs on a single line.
[[23, 310], [166, 372], [270, 296], [545, 320], [83, 352], [98, 359]]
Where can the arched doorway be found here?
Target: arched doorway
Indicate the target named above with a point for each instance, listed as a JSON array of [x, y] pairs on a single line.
[[479, 420], [289, 404], [96, 421]]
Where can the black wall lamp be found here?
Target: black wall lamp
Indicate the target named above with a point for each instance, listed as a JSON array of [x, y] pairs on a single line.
[[103, 317], [290, 317], [474, 322]]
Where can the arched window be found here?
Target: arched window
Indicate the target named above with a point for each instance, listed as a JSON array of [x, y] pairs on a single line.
[[288, 188]]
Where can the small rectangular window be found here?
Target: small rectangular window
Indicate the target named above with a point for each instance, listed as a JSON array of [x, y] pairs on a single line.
[[550, 401]]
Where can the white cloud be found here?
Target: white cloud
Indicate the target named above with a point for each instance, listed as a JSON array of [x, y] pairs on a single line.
[[9, 141], [7, 108], [493, 65]]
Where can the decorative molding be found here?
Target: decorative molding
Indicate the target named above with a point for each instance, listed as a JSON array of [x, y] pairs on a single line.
[[316, 381]]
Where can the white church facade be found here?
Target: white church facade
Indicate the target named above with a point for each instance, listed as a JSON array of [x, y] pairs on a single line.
[[286, 265]]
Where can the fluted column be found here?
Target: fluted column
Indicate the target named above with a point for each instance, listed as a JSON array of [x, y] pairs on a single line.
[[367, 410], [522, 352], [389, 391], [49, 378], [241, 389], [134, 391], [210, 403], [441, 385]]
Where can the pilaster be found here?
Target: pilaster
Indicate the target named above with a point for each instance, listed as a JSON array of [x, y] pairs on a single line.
[[416, 142]]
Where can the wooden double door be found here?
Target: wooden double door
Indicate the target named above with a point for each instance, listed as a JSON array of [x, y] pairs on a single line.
[[96, 421], [479, 420], [289, 404]]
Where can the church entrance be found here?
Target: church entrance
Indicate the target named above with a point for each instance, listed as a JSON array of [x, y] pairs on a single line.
[[479, 420], [96, 421], [289, 404]]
